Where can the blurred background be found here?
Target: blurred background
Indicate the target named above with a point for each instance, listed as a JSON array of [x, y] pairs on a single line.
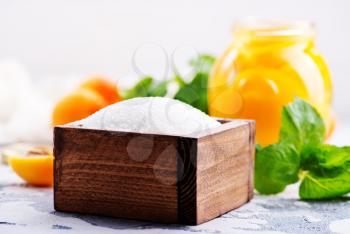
[[58, 43]]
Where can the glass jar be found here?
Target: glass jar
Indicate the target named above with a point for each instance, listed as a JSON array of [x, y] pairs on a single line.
[[266, 66]]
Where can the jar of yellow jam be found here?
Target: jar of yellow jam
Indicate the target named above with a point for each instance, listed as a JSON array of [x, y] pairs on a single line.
[[266, 66]]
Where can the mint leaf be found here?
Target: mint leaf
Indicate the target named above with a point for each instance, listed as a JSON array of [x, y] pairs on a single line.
[[326, 161], [203, 63], [147, 87], [179, 81], [258, 147], [301, 125], [325, 168], [321, 187], [195, 93], [276, 166], [140, 89], [158, 90], [325, 156]]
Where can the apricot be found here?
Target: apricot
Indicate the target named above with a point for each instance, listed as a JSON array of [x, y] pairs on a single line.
[[107, 89], [76, 106], [35, 168]]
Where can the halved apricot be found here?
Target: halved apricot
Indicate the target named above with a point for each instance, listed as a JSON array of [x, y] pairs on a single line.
[[35, 167]]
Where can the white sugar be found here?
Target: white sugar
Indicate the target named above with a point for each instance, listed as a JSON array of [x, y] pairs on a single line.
[[149, 115]]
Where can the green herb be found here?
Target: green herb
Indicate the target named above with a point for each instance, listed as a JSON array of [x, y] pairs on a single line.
[[203, 63], [326, 172], [276, 166], [326, 156], [300, 154], [195, 93], [147, 87], [301, 125], [321, 187]]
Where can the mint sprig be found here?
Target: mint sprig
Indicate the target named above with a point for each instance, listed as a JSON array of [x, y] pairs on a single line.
[[194, 92], [147, 87], [324, 170], [276, 166]]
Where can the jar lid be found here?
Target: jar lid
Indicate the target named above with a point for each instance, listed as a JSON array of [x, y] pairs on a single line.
[[266, 27]]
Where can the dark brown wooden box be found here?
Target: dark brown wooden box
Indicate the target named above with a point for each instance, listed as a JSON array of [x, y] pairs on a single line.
[[160, 178]]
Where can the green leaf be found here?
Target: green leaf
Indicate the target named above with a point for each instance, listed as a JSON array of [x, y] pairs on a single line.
[[326, 156], [158, 90], [276, 166], [180, 81], [195, 93], [325, 168], [203, 63], [325, 160], [321, 187], [140, 89], [258, 147], [147, 88], [301, 125]]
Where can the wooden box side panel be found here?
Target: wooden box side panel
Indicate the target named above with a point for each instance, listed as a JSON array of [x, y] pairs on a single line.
[[187, 180], [115, 174], [225, 168]]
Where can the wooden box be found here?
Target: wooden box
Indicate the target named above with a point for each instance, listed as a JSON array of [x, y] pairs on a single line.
[[162, 178]]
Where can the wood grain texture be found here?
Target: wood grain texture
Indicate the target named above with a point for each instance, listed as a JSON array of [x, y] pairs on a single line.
[[161, 178], [94, 173], [224, 170]]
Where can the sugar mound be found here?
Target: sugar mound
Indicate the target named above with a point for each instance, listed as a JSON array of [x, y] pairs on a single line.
[[149, 115]]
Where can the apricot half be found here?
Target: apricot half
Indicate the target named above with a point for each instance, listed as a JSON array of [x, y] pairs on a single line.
[[35, 168]]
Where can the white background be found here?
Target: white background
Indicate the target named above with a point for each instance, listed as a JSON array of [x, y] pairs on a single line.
[[99, 37]]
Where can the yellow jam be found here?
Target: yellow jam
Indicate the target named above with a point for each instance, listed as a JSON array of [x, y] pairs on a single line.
[[264, 68]]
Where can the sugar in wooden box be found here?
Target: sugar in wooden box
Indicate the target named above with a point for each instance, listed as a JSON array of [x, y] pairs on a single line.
[[161, 178]]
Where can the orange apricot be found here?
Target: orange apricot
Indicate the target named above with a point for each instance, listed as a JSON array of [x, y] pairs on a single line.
[[76, 106], [36, 167], [107, 89]]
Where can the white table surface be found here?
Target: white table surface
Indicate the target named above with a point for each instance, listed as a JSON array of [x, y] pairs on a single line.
[[25, 209]]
